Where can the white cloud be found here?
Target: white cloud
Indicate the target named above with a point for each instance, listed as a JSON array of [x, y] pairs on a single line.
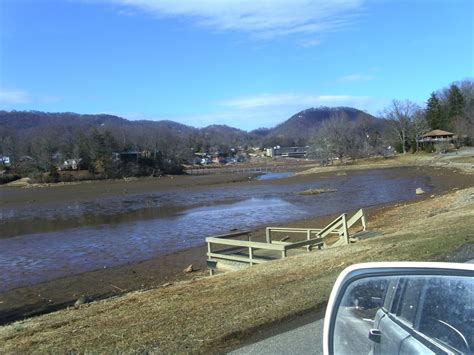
[[22, 97], [49, 99], [262, 18], [14, 97], [294, 99], [357, 77], [265, 110], [310, 42]]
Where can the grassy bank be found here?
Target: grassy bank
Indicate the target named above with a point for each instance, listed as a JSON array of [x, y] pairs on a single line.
[[212, 314], [461, 161]]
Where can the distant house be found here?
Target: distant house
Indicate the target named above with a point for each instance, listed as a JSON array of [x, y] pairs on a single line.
[[202, 159], [4, 160], [205, 161], [70, 164], [132, 156], [218, 160], [128, 156], [292, 152], [437, 136]]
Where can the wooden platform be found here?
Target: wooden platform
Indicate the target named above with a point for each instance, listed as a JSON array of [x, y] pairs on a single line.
[[237, 250]]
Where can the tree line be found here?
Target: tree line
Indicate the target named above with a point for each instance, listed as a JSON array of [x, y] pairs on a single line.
[[402, 125], [107, 146], [104, 146]]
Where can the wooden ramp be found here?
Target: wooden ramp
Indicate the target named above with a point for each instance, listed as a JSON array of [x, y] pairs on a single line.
[[236, 250]]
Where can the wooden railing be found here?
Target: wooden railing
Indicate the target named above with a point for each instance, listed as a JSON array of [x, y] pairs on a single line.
[[226, 240], [339, 226], [315, 237], [218, 169]]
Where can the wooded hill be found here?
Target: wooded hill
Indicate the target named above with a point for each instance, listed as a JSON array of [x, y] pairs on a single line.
[[46, 140], [34, 125]]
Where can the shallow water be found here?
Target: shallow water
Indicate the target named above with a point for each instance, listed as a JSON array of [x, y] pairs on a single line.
[[47, 243], [274, 175]]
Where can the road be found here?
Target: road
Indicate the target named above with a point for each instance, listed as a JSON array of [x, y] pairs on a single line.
[[308, 338], [304, 339], [305, 336]]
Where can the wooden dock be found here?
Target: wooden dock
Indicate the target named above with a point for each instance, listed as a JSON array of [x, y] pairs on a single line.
[[236, 250]]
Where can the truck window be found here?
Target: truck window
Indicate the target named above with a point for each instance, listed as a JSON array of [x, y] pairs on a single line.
[[410, 297], [389, 295], [447, 312]]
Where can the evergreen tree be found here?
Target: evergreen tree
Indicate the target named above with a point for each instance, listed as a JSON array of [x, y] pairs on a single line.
[[455, 102], [435, 113]]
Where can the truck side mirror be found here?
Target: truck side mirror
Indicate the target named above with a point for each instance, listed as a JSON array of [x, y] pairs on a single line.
[[367, 300]]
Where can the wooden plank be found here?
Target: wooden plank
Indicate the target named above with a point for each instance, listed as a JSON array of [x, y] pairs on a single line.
[[281, 243], [230, 235], [353, 220], [336, 224], [244, 243], [294, 230], [236, 258], [303, 243]]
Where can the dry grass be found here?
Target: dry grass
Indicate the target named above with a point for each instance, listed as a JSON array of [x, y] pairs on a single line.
[[461, 163], [211, 314], [464, 159]]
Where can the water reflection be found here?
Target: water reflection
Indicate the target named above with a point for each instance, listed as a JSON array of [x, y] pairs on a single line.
[[274, 175], [38, 257]]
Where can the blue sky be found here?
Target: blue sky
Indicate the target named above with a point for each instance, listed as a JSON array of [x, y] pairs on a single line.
[[243, 63]]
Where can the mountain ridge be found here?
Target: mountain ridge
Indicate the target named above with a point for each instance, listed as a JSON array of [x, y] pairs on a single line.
[[304, 120]]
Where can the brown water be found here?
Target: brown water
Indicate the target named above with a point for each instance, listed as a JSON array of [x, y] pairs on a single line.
[[59, 240]]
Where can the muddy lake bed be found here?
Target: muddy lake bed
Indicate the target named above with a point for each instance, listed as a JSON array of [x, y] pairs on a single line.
[[62, 239]]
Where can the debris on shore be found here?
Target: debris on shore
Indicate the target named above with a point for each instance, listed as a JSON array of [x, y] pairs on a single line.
[[189, 269], [82, 300], [315, 191], [419, 191]]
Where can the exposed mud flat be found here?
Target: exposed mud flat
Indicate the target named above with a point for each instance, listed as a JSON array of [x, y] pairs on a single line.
[[61, 240]]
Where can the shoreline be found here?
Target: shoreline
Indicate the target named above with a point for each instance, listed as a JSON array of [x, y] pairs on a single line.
[[59, 293], [193, 316]]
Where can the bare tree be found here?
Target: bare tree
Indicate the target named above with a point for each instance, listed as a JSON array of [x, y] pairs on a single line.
[[419, 126], [400, 115], [337, 137]]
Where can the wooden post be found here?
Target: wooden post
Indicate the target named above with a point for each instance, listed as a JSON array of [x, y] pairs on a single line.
[[268, 235], [308, 237], [344, 228], [364, 222], [283, 253], [251, 256], [209, 250]]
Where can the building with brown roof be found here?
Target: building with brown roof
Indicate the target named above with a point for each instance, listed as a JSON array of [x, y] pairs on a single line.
[[437, 136]]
